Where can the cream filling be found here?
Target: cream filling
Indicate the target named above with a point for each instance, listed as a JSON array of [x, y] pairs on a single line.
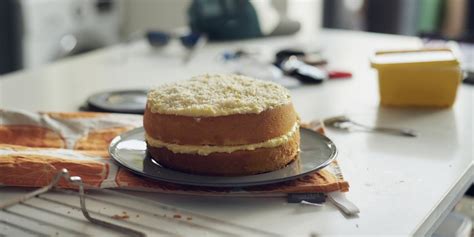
[[205, 150]]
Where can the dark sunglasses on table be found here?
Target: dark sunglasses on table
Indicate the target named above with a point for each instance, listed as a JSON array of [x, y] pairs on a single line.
[[160, 38]]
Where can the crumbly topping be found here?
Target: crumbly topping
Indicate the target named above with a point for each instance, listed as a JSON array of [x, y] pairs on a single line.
[[217, 95]]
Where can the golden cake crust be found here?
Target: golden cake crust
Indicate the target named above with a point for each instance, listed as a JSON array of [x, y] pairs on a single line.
[[221, 125], [242, 162], [237, 129], [212, 95]]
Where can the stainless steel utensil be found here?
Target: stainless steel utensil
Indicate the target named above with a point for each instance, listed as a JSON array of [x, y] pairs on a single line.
[[346, 124], [76, 180], [51, 211]]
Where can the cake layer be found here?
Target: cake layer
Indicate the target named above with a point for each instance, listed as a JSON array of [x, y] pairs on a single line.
[[206, 149], [217, 95], [237, 129], [242, 162]]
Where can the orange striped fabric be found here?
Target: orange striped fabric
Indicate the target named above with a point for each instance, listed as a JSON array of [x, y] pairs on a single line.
[[35, 146]]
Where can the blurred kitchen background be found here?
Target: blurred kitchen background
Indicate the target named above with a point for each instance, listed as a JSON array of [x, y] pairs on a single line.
[[36, 32]]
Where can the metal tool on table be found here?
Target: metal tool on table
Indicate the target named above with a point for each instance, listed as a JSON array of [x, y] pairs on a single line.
[[37, 213], [346, 124], [77, 181]]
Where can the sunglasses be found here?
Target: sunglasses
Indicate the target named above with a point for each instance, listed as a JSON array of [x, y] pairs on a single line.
[[160, 38]]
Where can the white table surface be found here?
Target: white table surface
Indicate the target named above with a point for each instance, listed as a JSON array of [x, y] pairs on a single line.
[[403, 186]]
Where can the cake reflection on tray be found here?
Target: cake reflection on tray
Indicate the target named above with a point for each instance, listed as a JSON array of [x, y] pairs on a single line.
[[152, 166]]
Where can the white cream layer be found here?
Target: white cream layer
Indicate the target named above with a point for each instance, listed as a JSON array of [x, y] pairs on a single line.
[[206, 149]]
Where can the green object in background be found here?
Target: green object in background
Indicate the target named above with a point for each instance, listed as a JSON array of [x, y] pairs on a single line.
[[224, 19], [430, 15]]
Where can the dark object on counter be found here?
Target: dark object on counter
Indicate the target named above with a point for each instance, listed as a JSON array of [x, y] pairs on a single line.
[[235, 19], [157, 38], [469, 79], [305, 73], [224, 19], [303, 66], [10, 36], [286, 53], [470, 191], [317, 198], [160, 38], [311, 58], [125, 101]]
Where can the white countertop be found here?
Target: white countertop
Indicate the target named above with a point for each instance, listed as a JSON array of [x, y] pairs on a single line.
[[403, 186]]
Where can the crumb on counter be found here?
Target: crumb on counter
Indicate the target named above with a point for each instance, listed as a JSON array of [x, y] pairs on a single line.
[[120, 217]]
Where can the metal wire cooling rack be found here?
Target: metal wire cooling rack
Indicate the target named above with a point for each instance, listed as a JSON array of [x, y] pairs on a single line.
[[50, 211]]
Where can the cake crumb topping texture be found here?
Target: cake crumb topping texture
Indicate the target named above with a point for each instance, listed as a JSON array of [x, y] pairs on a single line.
[[217, 95]]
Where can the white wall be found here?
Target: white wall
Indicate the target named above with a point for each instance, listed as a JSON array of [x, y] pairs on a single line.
[[141, 15], [309, 13], [168, 14]]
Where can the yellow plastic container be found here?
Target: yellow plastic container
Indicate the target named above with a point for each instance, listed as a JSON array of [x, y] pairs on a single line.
[[426, 77]]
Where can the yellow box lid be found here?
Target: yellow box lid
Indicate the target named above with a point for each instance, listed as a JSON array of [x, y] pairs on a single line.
[[414, 58]]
